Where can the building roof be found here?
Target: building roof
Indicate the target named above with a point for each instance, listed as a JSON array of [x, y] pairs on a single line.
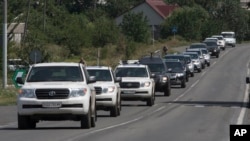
[[161, 7], [16, 28]]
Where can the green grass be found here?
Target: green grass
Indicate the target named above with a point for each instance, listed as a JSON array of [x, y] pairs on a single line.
[[8, 96]]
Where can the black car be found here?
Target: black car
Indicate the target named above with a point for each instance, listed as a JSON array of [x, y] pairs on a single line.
[[158, 69], [182, 59], [177, 72], [213, 48]]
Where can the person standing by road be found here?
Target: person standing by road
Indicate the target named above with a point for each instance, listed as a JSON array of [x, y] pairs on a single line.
[[165, 50], [83, 61]]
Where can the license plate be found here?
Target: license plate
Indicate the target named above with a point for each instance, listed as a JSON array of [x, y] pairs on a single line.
[[128, 92], [52, 104]]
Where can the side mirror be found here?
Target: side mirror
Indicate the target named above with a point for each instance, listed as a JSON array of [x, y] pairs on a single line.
[[247, 80], [152, 75], [19, 80], [118, 79], [92, 79]]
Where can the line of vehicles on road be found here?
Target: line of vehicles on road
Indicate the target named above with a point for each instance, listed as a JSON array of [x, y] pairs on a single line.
[[73, 91]]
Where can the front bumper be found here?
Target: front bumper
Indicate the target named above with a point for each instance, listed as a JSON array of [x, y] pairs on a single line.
[[33, 106]]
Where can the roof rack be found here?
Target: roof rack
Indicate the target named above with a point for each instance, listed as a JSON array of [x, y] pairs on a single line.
[[122, 62]]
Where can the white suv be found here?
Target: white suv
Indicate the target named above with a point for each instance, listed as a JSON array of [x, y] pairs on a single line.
[[229, 37], [136, 83], [108, 94], [56, 91]]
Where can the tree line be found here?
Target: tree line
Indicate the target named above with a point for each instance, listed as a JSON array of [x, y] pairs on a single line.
[[61, 28]]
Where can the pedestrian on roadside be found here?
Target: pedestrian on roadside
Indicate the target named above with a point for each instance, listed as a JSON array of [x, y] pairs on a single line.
[[82, 61], [165, 50]]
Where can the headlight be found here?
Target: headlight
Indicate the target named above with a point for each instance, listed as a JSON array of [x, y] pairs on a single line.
[[28, 93], [78, 92], [214, 50], [180, 74], [145, 84], [164, 79], [109, 89]]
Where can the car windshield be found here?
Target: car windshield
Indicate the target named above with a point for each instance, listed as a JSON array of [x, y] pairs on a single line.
[[211, 43], [204, 51], [156, 68], [101, 75], [227, 35], [199, 53], [197, 46], [193, 56], [175, 66], [55, 73], [131, 72]]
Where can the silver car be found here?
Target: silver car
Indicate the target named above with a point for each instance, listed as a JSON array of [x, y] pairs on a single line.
[[190, 65], [195, 59], [206, 55], [201, 57]]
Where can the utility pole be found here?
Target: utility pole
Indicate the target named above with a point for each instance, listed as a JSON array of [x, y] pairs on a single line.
[[4, 44]]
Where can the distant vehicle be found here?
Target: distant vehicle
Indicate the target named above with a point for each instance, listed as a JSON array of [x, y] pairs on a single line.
[[177, 72], [182, 59], [221, 41], [108, 93], [198, 45], [199, 51], [229, 37], [190, 65], [206, 55], [213, 48], [195, 59], [158, 68], [213, 39], [137, 83]]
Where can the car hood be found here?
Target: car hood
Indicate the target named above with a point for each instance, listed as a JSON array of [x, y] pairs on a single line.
[[54, 85], [134, 79]]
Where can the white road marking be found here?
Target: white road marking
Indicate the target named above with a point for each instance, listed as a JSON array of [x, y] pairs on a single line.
[[203, 73], [195, 83], [243, 109]]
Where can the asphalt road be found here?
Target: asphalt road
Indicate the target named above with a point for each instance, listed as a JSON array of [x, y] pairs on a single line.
[[203, 111]]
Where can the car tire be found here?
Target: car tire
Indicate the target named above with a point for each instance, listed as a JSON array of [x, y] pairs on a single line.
[[167, 91], [114, 110], [24, 122], [208, 64], [192, 74], [94, 117], [183, 84], [150, 101], [199, 70], [86, 120], [187, 78], [217, 56]]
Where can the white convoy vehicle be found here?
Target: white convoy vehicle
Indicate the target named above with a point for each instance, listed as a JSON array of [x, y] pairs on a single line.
[[229, 36], [221, 41], [56, 91], [108, 94], [137, 83]]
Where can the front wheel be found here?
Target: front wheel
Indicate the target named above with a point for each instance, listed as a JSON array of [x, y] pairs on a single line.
[[24, 122], [167, 91], [86, 120]]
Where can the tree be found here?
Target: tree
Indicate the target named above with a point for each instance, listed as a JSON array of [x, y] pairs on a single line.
[[188, 20], [105, 31], [135, 27]]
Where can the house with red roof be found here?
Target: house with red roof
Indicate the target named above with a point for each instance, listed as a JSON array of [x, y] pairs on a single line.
[[156, 12]]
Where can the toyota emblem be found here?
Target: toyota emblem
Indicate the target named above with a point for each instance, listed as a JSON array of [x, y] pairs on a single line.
[[52, 93]]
